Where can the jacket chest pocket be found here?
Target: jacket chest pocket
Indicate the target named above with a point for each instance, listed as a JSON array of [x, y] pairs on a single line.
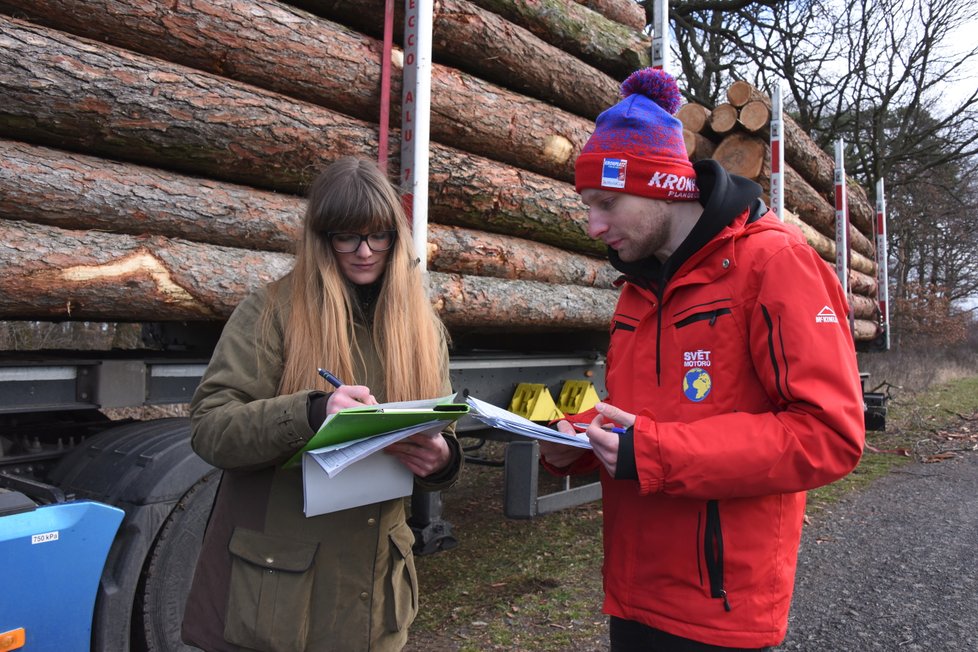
[[710, 317], [270, 592], [704, 349]]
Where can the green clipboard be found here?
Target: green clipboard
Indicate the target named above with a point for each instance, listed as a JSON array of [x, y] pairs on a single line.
[[359, 423]]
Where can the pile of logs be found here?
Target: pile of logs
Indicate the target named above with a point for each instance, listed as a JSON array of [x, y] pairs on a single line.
[[155, 157], [736, 134]]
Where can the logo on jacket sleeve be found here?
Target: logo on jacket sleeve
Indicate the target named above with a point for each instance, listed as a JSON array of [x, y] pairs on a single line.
[[613, 173], [826, 316], [697, 384]]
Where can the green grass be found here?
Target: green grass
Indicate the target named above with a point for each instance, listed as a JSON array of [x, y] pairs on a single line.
[[917, 427], [510, 584]]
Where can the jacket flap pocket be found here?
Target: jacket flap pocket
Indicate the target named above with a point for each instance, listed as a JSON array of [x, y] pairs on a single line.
[[277, 553], [403, 539]]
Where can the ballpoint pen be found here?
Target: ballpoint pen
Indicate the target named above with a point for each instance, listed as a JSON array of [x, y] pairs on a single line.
[[330, 378], [618, 430]]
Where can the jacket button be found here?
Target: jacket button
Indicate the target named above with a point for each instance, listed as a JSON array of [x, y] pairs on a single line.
[[364, 596], [371, 521], [726, 263]]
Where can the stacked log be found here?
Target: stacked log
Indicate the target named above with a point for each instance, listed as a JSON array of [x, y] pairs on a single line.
[[156, 158], [736, 133]]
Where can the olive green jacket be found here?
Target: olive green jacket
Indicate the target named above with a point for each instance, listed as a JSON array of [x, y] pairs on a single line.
[[269, 578]]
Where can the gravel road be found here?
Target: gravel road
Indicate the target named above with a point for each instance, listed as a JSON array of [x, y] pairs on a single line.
[[893, 567]]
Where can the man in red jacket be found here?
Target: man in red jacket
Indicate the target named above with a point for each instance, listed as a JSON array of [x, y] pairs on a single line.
[[732, 371]]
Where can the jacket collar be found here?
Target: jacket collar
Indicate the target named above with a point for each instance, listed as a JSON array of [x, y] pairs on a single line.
[[725, 197]]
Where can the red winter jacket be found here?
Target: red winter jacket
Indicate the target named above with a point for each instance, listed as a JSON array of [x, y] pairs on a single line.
[[744, 378]]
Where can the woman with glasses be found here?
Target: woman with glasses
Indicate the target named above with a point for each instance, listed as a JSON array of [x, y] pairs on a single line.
[[267, 577]]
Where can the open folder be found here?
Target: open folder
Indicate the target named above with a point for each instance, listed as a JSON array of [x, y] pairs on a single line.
[[362, 422], [343, 464]]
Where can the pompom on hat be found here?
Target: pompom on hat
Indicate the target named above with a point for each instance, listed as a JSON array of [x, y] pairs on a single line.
[[637, 146]]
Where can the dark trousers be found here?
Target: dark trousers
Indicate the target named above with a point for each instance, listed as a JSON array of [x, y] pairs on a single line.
[[630, 636]]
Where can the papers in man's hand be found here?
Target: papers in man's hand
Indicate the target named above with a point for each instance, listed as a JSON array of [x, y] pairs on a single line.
[[505, 420]]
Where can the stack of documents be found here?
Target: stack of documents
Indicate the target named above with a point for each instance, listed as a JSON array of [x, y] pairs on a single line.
[[344, 466], [505, 420]]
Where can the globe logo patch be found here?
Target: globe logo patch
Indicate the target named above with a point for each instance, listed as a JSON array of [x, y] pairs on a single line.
[[697, 384]]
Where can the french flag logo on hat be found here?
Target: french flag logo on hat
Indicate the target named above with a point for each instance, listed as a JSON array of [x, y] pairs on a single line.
[[613, 173]]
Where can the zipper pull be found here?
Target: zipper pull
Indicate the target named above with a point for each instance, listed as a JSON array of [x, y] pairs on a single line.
[[726, 603]]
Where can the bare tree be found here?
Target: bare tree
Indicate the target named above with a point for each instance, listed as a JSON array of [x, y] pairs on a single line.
[[876, 74]]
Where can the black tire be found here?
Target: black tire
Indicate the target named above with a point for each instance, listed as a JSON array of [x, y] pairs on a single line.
[[169, 570]]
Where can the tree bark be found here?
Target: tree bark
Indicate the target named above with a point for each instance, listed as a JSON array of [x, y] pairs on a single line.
[[485, 304], [491, 48], [695, 118], [76, 192], [865, 331], [740, 93], [698, 146], [608, 46], [863, 307], [817, 167], [91, 275], [477, 253], [825, 246], [749, 156], [628, 13], [742, 154], [120, 105], [811, 207], [281, 49]]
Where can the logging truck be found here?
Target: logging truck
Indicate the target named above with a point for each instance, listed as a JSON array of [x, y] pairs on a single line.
[[154, 157]]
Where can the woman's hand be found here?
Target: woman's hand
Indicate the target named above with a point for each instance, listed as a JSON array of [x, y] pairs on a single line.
[[423, 454], [349, 396]]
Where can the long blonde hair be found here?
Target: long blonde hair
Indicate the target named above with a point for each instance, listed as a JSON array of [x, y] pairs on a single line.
[[353, 195]]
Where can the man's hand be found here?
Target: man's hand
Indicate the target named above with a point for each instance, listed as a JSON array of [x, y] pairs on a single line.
[[603, 441], [559, 455]]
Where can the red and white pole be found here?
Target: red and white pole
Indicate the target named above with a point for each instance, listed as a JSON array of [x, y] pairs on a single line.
[[416, 119], [882, 273], [385, 85], [660, 34], [842, 251], [777, 154]]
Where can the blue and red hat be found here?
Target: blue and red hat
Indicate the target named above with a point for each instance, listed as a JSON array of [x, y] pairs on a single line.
[[637, 146]]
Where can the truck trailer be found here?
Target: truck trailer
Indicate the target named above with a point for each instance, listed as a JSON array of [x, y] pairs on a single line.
[[155, 156]]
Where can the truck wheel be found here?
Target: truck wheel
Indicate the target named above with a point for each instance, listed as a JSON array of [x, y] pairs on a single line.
[[169, 570]]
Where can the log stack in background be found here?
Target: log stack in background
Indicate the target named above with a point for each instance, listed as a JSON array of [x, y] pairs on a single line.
[[736, 134], [155, 158]]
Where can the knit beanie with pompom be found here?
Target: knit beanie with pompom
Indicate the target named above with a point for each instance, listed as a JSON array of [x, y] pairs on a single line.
[[637, 146]]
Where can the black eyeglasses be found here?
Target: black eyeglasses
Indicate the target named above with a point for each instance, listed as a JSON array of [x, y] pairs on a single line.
[[347, 243]]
